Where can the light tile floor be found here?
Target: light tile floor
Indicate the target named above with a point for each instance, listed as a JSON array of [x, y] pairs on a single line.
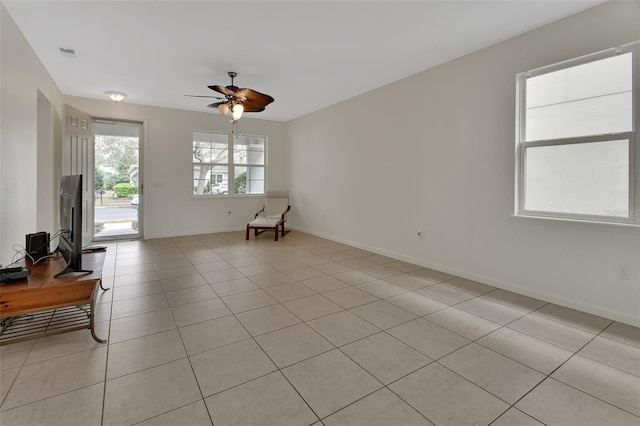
[[213, 329]]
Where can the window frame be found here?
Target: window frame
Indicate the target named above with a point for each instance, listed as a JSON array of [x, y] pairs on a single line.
[[230, 164], [522, 145], [248, 166]]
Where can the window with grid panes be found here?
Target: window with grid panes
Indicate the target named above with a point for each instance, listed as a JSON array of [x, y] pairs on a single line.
[[216, 172]]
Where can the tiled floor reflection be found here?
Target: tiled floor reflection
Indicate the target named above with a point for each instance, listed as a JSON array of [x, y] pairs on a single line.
[[213, 329]]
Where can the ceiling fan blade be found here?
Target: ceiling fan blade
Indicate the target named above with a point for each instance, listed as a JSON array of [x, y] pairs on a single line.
[[254, 97], [204, 96], [230, 91], [222, 89], [252, 108], [215, 105], [253, 104]]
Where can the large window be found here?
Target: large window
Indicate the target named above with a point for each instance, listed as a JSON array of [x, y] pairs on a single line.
[[216, 172], [575, 139]]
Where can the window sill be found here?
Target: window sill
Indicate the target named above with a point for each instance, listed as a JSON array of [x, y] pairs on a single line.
[[579, 221]]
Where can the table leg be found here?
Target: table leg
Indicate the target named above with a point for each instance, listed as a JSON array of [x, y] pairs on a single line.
[[102, 288], [92, 323], [5, 324]]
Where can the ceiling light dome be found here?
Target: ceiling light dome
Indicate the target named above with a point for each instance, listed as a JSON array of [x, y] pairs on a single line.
[[224, 109], [237, 111], [115, 96]]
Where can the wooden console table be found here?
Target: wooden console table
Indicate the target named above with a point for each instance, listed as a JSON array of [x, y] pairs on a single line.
[[40, 297]]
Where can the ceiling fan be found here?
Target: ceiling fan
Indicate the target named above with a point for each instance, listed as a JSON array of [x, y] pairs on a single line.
[[237, 100]]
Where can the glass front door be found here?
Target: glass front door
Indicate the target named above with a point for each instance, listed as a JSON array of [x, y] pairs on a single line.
[[118, 198]]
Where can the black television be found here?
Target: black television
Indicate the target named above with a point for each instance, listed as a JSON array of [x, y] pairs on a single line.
[[70, 238]]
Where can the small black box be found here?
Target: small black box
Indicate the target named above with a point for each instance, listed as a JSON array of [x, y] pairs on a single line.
[[37, 245], [9, 274]]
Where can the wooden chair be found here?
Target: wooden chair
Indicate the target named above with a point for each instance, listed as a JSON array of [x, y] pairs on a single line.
[[273, 214]]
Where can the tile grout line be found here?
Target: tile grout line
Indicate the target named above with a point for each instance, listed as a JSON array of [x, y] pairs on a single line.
[[108, 344]]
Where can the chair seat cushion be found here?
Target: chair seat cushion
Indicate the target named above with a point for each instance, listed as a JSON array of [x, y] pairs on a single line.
[[265, 221], [272, 216]]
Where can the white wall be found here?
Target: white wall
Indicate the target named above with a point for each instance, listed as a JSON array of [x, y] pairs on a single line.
[[48, 157], [435, 151], [169, 208], [24, 188]]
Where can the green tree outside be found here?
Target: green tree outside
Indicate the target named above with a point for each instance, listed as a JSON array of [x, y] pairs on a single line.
[[241, 183], [99, 179], [114, 157]]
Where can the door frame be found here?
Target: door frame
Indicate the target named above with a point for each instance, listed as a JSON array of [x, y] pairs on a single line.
[[142, 132]]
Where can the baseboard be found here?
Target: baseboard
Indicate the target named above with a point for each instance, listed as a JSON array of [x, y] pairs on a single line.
[[186, 234], [547, 297]]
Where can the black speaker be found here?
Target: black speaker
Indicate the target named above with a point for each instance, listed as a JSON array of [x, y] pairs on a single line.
[[37, 245]]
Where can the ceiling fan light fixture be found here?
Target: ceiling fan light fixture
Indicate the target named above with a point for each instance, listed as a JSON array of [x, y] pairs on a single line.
[[224, 109], [115, 96], [237, 111]]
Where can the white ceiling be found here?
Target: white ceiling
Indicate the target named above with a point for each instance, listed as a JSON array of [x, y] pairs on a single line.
[[306, 54]]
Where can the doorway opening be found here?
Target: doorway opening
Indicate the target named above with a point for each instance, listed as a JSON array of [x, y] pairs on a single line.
[[118, 185]]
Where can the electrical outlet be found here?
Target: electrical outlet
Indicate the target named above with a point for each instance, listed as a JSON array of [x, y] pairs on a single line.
[[623, 272]]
